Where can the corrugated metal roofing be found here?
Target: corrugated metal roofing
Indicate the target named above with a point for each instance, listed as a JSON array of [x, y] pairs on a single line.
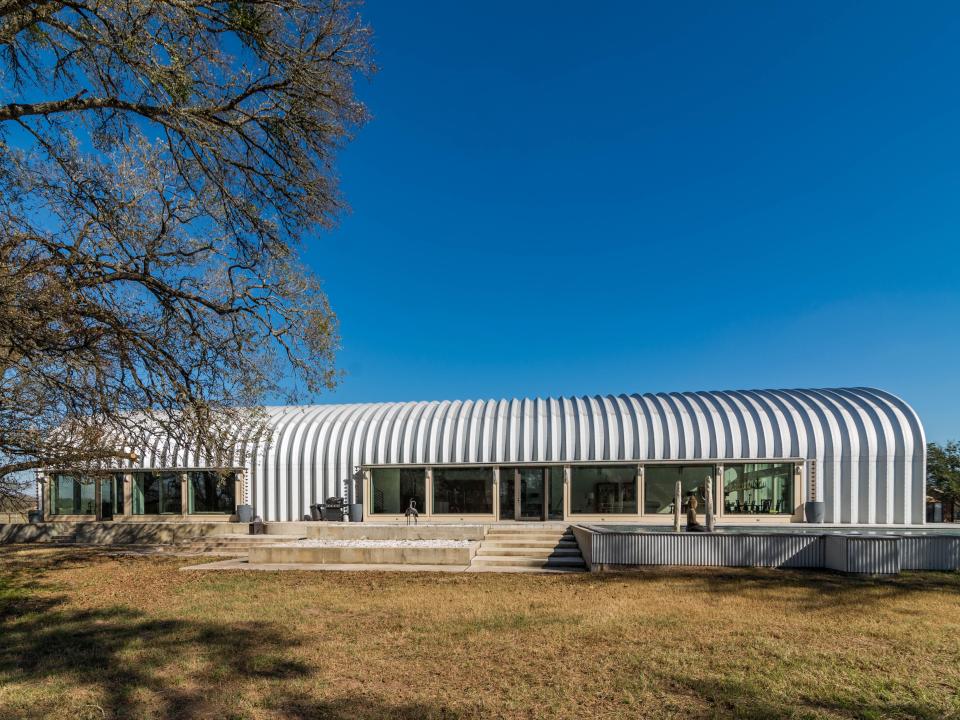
[[869, 445]]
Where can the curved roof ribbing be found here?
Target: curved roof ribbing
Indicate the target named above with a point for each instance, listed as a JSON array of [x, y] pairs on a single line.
[[869, 444]]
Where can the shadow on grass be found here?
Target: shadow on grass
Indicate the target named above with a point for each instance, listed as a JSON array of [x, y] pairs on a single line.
[[752, 701], [809, 589], [136, 665]]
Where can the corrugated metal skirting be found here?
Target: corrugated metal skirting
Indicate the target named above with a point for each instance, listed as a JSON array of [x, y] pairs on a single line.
[[742, 550], [873, 555], [930, 553], [863, 555]]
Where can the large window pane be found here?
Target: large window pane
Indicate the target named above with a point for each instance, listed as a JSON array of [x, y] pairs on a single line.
[[73, 495], [146, 494], [63, 494], [556, 493], [603, 489], [758, 488], [111, 495], [156, 493], [508, 485], [394, 489], [170, 499], [660, 481], [211, 491], [463, 490]]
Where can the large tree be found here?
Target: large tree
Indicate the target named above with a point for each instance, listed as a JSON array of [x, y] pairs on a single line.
[[943, 469], [161, 165]]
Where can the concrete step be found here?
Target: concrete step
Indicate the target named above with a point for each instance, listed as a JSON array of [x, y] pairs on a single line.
[[497, 542], [533, 529], [528, 552], [529, 561], [554, 537]]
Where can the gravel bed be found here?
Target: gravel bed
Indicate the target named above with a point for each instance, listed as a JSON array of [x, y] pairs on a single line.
[[322, 542]]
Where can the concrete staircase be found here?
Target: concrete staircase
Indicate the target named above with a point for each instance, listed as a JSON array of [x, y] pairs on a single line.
[[229, 545], [520, 548]]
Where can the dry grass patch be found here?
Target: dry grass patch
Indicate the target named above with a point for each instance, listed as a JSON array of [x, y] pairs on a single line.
[[87, 633]]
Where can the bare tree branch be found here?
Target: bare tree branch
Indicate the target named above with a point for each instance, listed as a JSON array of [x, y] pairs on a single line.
[[161, 164]]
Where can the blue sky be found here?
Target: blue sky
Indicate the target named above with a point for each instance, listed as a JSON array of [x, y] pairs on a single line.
[[556, 199]]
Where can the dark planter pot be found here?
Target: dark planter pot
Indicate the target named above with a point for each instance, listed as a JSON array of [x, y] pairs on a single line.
[[356, 512], [315, 512], [244, 513], [34, 516], [814, 511]]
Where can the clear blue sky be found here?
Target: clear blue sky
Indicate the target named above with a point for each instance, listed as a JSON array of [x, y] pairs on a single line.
[[568, 198]]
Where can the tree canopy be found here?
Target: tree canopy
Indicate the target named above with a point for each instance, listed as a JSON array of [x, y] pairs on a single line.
[[943, 469], [161, 165]]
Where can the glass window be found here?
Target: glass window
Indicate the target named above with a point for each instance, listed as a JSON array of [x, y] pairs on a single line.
[[211, 491], [63, 494], [156, 493], [660, 482], [758, 488], [73, 495], [508, 485], [463, 490], [394, 489], [555, 511], [603, 489], [111, 495]]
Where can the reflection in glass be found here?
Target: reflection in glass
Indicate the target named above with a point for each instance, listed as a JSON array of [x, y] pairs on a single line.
[[111, 495], [507, 487], [394, 488], [170, 488], [556, 493], [603, 489], [531, 493], [660, 481], [73, 495], [211, 491], [463, 490], [754, 488], [156, 493]]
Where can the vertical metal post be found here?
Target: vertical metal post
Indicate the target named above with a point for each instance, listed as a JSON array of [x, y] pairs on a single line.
[[708, 494], [678, 492]]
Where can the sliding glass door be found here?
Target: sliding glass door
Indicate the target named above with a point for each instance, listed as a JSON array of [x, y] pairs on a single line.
[[523, 493]]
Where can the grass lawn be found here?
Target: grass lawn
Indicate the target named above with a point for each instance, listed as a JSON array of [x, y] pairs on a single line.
[[88, 634]]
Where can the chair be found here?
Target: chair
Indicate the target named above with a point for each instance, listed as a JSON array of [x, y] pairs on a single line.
[[333, 509]]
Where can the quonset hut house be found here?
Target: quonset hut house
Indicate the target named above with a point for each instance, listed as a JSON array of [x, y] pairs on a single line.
[[859, 451]]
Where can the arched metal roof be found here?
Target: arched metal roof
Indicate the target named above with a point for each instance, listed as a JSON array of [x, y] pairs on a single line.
[[869, 445]]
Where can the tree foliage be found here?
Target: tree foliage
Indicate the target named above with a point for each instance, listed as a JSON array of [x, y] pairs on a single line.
[[161, 165], [943, 469]]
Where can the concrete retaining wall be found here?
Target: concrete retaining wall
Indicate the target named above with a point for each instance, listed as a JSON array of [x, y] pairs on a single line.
[[116, 533], [363, 555]]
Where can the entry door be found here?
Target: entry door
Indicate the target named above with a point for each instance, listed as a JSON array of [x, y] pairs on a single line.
[[531, 494], [523, 493]]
